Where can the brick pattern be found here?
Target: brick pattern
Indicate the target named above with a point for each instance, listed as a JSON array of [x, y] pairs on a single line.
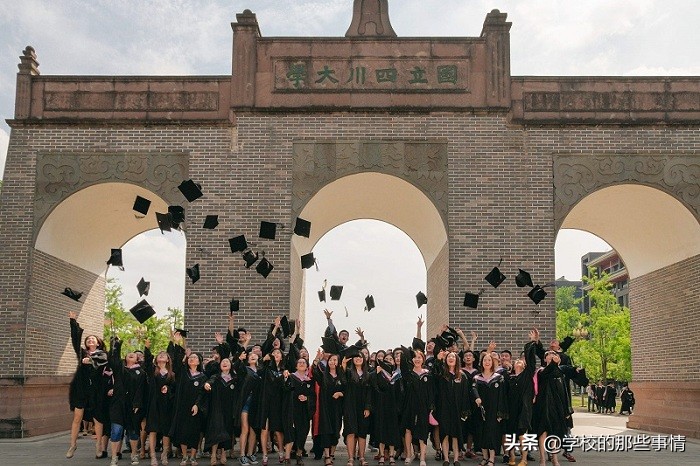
[[665, 323]]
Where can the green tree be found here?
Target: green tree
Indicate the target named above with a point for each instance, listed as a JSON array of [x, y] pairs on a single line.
[[120, 322], [606, 352]]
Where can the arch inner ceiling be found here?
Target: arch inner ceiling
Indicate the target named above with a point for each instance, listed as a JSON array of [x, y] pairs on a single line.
[[647, 227], [380, 197], [83, 228]]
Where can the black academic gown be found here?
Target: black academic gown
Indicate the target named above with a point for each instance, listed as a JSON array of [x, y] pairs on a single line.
[[358, 398], [551, 412], [388, 398], [330, 417], [219, 428], [160, 405], [80, 390], [298, 413], [469, 425], [492, 392], [627, 400], [271, 391], [126, 402], [185, 428], [418, 400], [521, 391], [452, 401], [250, 383], [102, 383]]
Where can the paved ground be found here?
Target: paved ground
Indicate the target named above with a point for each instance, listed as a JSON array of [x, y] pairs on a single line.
[[50, 450]]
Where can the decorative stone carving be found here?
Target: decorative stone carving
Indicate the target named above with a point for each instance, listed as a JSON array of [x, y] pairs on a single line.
[[370, 18], [577, 176], [421, 163], [60, 175]]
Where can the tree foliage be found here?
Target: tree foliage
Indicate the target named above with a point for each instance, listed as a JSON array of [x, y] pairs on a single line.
[[606, 352], [120, 322]]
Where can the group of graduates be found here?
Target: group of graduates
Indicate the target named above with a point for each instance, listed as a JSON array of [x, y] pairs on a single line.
[[602, 398], [268, 397]]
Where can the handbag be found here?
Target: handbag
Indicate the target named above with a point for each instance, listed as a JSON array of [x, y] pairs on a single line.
[[431, 419]]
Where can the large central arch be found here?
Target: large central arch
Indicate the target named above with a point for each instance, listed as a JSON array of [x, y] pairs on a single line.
[[383, 197]]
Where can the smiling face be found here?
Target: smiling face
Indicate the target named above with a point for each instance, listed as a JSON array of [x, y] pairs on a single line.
[[418, 359], [468, 358], [302, 365], [225, 365], [304, 353], [162, 359], [487, 362], [343, 336], [451, 361], [131, 359], [91, 342], [333, 361], [193, 361], [277, 355], [276, 343], [253, 359], [430, 347]]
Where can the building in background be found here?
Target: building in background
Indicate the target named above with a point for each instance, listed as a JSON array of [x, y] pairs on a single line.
[[609, 263], [561, 282]]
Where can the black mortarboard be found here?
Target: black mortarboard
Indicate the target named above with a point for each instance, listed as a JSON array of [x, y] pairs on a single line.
[[250, 258], [537, 294], [421, 299], [471, 299], [143, 287], [163, 222], [386, 366], [264, 267], [298, 342], [307, 260], [234, 305], [322, 296], [330, 345], [193, 273], [292, 326], [74, 295], [495, 277], [238, 243], [302, 227], [284, 324], [523, 279], [268, 230], [351, 351], [419, 344], [191, 190], [336, 291], [142, 311], [115, 258], [182, 332], [369, 301], [141, 205], [177, 215], [211, 222]]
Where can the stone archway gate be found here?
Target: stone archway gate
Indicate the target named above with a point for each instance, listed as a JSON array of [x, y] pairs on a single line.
[[519, 151]]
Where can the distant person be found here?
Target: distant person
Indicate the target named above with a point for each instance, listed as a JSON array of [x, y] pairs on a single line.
[[590, 391], [627, 400]]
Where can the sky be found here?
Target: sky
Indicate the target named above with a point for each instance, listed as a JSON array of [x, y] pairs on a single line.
[[188, 37]]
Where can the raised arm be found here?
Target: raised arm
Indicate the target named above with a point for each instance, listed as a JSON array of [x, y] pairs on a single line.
[[465, 343], [76, 335], [330, 329]]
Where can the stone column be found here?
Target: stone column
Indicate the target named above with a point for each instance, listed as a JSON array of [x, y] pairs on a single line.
[[496, 31], [245, 59], [28, 67]]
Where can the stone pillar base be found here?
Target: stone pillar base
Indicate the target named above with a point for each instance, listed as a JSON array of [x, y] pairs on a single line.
[[34, 406], [671, 407]]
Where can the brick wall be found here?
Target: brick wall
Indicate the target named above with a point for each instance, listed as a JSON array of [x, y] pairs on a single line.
[[438, 276], [665, 325]]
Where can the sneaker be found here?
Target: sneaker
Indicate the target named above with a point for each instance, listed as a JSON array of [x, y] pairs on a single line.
[[115, 461], [243, 460], [184, 461], [252, 459], [438, 455], [71, 451], [570, 458], [164, 458], [134, 459]]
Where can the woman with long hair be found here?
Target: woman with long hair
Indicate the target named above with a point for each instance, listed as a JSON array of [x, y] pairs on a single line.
[[469, 426], [80, 387], [331, 381], [388, 398], [488, 389], [357, 405], [300, 404], [552, 410], [248, 405], [161, 394], [452, 403], [221, 388], [418, 403], [270, 412], [187, 426]]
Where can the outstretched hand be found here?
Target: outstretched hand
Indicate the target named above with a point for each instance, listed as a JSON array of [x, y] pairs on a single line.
[[328, 313], [72, 315], [534, 334], [219, 338], [420, 321]]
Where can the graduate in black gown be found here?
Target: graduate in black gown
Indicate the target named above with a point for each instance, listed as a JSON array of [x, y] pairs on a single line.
[[247, 405], [81, 387], [102, 383], [388, 398], [299, 407], [626, 400], [330, 378], [357, 404], [271, 393], [551, 412], [469, 426], [418, 402], [488, 390], [521, 391], [219, 431], [189, 403], [452, 402], [161, 394]]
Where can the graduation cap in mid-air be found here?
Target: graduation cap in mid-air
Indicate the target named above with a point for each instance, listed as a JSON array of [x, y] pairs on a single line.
[[193, 273], [523, 279], [142, 311], [268, 230], [322, 295], [191, 190], [472, 300], [421, 299], [115, 259], [238, 243], [330, 345], [141, 205], [144, 287], [336, 292], [177, 216], [250, 257], [495, 277], [264, 267], [308, 261], [369, 303], [537, 294], [74, 295], [211, 222], [164, 222], [302, 227]]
